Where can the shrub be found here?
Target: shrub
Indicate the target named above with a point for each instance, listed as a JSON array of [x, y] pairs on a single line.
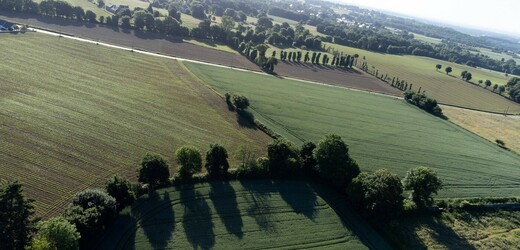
[[254, 170], [189, 160]]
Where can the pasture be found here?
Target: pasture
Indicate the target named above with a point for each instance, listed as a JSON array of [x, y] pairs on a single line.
[[382, 131], [73, 114], [448, 89], [86, 5], [489, 126], [237, 215]]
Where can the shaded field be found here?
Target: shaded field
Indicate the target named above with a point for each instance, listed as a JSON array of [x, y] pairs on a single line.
[[138, 39], [460, 230], [448, 89], [382, 132], [74, 114], [489, 126], [236, 215]]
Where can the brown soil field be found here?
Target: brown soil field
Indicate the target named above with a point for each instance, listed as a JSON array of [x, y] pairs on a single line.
[[350, 78], [174, 46], [487, 125]]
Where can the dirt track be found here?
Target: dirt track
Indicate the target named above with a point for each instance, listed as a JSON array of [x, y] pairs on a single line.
[[174, 46]]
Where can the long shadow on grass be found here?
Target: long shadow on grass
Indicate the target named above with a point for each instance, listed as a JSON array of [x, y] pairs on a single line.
[[245, 119], [442, 234], [158, 222], [224, 199], [300, 197], [197, 220], [260, 204]]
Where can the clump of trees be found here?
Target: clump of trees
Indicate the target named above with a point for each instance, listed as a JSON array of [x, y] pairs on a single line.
[[55, 233], [16, 212], [189, 160], [513, 86], [122, 190], [154, 171], [422, 101]]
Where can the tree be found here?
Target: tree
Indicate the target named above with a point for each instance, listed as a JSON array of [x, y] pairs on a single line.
[[501, 89], [282, 158], [448, 70], [91, 16], [468, 76], [480, 82], [189, 160], [240, 102], [463, 74], [79, 13], [308, 161], [377, 194], [228, 23], [488, 83], [216, 160], [121, 189], [150, 9], [334, 162], [153, 170], [423, 182], [197, 11], [125, 22], [59, 233], [438, 67], [16, 224], [495, 87]]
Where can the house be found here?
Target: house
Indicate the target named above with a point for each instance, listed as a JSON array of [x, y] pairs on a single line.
[[114, 8]]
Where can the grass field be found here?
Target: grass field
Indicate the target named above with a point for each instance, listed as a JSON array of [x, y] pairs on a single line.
[[426, 38], [382, 132], [86, 5], [449, 89], [74, 114], [460, 230], [495, 55], [234, 215], [489, 126]]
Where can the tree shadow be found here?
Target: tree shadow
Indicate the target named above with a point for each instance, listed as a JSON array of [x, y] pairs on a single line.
[[245, 119], [119, 234], [259, 210], [300, 197], [441, 233], [224, 199], [197, 220], [158, 223]]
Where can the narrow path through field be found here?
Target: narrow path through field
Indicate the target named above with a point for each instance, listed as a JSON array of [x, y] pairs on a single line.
[[197, 61]]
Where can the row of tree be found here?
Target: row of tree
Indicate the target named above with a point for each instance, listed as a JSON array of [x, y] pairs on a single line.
[[422, 101]]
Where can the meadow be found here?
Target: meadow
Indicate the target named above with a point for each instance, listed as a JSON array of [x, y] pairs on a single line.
[[448, 89], [86, 5], [490, 126], [237, 215], [382, 131], [74, 113]]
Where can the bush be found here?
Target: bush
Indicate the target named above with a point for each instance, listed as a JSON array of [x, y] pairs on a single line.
[[154, 170], [334, 162], [121, 189], [254, 170], [216, 161], [189, 160]]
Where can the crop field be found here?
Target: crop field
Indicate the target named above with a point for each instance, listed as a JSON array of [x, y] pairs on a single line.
[[449, 89], [382, 132], [489, 126], [235, 215], [73, 114]]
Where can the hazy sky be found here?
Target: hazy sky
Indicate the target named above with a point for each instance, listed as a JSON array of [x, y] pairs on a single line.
[[496, 15]]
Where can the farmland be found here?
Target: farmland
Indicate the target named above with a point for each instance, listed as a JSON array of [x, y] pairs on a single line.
[[74, 114], [234, 215], [449, 89], [489, 126], [382, 132], [86, 5]]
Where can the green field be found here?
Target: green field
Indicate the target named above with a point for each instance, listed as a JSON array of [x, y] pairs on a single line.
[[74, 114], [448, 89], [495, 55], [237, 215], [86, 5], [426, 39], [382, 132]]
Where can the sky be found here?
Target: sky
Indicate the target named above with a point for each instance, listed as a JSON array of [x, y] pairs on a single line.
[[499, 15]]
